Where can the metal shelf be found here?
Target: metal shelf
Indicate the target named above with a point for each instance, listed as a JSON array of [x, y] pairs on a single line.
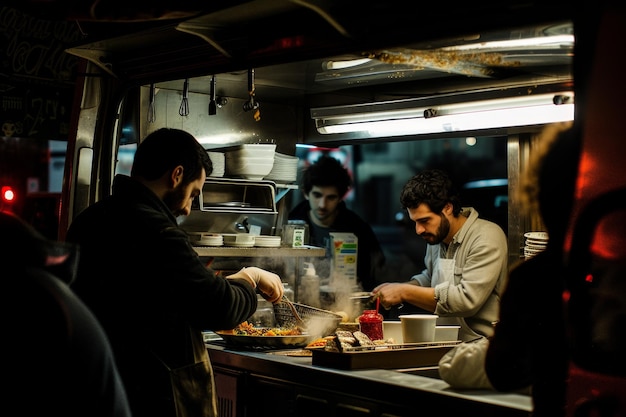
[[281, 252]]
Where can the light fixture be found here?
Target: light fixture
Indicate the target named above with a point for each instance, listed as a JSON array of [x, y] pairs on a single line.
[[556, 41], [451, 114]]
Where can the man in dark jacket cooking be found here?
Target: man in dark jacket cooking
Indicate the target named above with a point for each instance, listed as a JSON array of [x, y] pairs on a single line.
[[148, 287]]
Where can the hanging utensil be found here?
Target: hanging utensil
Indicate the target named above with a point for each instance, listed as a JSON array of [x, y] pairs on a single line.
[[252, 104], [183, 110], [151, 110], [212, 102]]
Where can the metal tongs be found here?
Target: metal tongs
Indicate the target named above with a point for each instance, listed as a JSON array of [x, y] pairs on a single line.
[[294, 311]]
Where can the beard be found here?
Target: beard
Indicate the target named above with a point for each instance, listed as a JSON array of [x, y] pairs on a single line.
[[175, 200], [442, 232]]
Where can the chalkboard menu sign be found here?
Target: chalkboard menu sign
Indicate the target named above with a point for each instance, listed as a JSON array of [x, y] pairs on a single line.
[[37, 76]]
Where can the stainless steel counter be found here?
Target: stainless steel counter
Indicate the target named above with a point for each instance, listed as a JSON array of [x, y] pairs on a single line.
[[379, 392]]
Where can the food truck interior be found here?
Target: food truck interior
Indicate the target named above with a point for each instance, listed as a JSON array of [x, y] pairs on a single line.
[[387, 95], [388, 87]]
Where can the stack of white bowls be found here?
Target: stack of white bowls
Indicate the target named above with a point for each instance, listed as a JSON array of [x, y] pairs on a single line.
[[252, 161], [264, 241], [285, 169], [536, 242], [219, 164]]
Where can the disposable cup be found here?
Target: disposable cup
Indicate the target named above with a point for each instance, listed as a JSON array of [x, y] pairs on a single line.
[[418, 328], [393, 330]]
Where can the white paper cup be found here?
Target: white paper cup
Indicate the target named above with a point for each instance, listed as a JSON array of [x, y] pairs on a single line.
[[393, 330], [418, 328], [447, 333]]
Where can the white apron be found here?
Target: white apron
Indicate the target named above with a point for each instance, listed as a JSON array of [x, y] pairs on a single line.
[[443, 271]]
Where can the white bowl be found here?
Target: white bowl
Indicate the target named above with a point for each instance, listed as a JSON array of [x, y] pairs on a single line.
[[447, 333], [253, 150], [393, 330], [418, 328], [249, 170]]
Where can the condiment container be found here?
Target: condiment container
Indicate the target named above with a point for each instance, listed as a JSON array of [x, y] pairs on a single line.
[[309, 290], [371, 323], [296, 233]]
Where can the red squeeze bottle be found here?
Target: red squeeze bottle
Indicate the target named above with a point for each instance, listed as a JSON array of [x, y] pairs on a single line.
[[371, 323]]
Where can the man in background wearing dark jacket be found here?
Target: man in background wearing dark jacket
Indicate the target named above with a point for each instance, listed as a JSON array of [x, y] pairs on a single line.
[[324, 185]]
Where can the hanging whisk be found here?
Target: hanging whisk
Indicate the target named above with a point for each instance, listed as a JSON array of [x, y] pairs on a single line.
[[183, 110]]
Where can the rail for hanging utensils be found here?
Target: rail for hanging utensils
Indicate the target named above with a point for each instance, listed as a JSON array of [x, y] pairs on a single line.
[[183, 110]]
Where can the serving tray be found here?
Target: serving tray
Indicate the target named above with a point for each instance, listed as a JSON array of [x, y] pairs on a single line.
[[384, 357]]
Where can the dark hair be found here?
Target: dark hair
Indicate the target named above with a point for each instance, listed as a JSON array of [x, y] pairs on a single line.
[[433, 188], [166, 148], [327, 171], [549, 182]]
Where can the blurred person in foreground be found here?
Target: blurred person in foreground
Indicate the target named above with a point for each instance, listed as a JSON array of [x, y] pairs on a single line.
[[324, 185], [530, 343], [58, 359], [146, 284], [466, 259]]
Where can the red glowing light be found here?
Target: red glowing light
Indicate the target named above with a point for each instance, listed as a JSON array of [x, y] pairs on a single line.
[[8, 194]]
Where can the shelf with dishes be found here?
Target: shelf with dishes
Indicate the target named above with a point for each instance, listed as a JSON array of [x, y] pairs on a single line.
[[251, 252], [254, 161]]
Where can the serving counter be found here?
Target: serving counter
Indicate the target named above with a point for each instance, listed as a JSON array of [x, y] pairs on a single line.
[[264, 382]]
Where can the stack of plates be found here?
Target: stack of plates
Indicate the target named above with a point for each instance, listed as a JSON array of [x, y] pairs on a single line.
[[206, 239], [267, 241], [240, 240], [219, 164], [536, 242], [285, 168], [251, 161]]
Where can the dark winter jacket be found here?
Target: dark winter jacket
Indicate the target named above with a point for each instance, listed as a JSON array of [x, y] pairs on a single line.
[[149, 289]]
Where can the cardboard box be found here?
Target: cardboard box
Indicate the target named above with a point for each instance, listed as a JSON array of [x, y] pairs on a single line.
[[344, 248]]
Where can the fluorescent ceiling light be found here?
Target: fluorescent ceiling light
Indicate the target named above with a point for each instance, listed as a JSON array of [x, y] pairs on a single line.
[[398, 118], [516, 43]]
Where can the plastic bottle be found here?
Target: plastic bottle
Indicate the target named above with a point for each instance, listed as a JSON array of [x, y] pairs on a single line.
[[310, 286], [371, 323]]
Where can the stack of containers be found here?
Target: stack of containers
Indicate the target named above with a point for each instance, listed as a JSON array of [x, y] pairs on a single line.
[[536, 242]]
